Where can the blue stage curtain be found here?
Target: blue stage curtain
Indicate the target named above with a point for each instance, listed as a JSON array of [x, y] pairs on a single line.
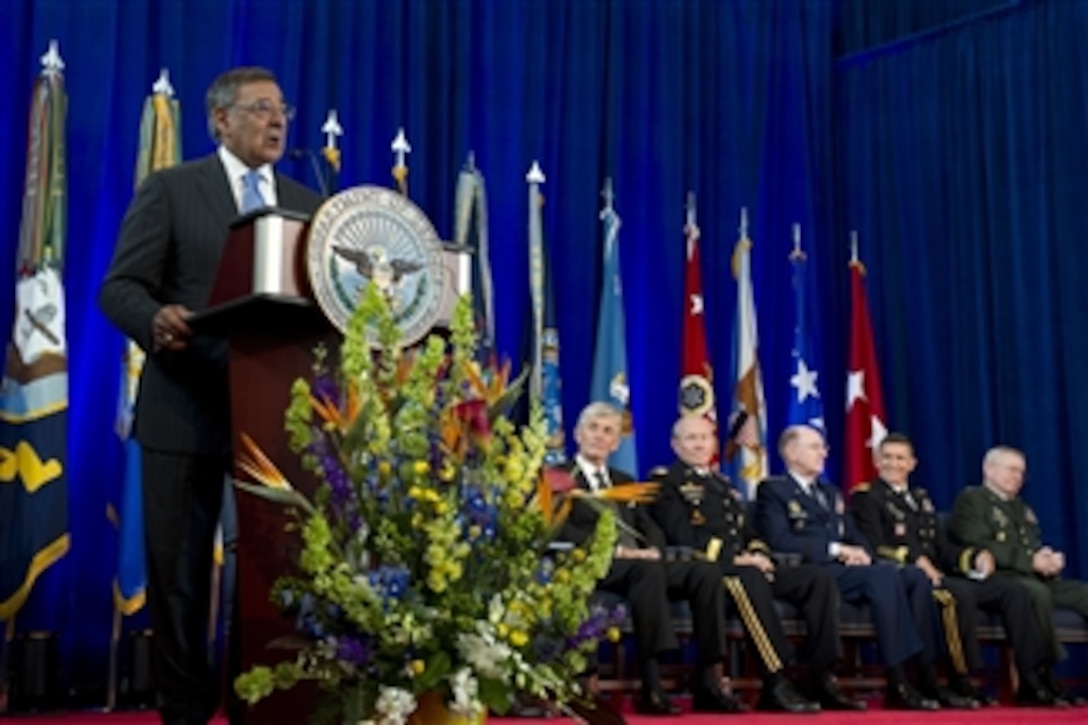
[[955, 158], [963, 165]]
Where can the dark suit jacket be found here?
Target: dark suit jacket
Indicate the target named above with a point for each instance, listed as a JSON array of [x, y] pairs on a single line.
[[902, 532], [1009, 529], [583, 516], [167, 253], [692, 510], [792, 521]]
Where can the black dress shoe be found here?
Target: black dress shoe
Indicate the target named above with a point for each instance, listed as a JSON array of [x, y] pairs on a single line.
[[655, 702], [961, 685], [905, 697], [1035, 695], [781, 696], [947, 698], [707, 700], [826, 692]]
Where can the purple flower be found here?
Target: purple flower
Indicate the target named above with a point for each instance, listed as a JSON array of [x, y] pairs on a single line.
[[352, 650]]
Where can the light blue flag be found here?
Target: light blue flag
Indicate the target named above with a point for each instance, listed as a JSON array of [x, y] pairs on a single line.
[[806, 405], [610, 382]]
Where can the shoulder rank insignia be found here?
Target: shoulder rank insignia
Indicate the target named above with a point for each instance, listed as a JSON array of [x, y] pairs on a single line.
[[1029, 516]]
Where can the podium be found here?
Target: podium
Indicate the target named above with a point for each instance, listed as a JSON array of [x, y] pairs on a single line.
[[262, 306]]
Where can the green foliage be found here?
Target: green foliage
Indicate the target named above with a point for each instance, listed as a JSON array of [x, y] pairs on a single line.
[[425, 560]]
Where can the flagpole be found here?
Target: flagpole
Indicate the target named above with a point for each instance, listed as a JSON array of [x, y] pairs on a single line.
[[534, 178], [9, 635], [401, 148]]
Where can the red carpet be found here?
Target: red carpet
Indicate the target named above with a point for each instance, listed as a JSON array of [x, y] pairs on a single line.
[[990, 716]]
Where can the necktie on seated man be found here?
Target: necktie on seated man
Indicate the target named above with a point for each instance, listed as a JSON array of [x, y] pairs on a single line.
[[251, 191]]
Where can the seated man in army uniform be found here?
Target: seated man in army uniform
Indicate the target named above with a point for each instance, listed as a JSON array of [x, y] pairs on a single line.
[[641, 575], [995, 517], [698, 508], [900, 522]]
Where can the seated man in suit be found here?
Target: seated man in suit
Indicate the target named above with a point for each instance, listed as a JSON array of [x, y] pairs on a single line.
[[698, 508], [900, 521], [798, 513], [993, 516], [640, 574]]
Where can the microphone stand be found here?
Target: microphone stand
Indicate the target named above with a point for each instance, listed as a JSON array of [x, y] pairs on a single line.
[[324, 183]]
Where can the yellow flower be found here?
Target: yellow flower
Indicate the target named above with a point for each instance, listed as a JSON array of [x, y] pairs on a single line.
[[421, 467], [418, 666], [613, 634], [519, 638]]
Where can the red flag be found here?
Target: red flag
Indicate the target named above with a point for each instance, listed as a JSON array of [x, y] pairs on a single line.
[[696, 375], [865, 417]]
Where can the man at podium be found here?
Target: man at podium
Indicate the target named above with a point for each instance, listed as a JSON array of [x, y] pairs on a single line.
[[162, 272]]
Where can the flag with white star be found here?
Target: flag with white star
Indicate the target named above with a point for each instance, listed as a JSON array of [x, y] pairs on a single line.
[[806, 404], [865, 417]]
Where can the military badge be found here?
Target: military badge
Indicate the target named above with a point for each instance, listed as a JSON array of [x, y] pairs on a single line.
[[697, 518], [927, 505], [1000, 519], [1000, 537], [1029, 516], [795, 510], [370, 235]]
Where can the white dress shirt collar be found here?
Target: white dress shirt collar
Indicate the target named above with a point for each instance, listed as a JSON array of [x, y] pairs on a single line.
[[236, 169]]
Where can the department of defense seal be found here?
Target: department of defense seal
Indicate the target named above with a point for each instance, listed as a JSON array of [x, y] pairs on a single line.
[[372, 235]]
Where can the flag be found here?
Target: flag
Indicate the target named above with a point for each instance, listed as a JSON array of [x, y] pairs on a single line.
[[544, 386], [610, 382], [34, 398], [865, 418], [470, 232], [160, 147], [750, 407], [806, 406], [696, 395]]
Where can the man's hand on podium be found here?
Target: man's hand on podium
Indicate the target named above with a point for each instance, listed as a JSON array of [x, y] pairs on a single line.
[[170, 329]]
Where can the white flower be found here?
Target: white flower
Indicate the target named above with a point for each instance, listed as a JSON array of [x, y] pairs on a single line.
[[465, 688], [394, 706], [483, 652]]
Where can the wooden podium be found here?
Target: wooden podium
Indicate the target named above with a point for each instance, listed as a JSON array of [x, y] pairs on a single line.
[[262, 306]]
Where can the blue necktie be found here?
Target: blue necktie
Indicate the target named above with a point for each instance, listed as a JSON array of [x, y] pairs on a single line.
[[251, 191]]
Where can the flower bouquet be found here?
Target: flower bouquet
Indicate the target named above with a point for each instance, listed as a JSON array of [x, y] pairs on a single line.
[[427, 566]]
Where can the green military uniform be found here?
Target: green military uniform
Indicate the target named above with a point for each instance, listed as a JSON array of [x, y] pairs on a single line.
[[1009, 529]]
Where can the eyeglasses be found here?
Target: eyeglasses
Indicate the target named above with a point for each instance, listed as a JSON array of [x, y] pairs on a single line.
[[264, 107]]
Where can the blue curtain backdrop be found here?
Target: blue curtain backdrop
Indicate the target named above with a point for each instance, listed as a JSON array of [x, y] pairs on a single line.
[[955, 155]]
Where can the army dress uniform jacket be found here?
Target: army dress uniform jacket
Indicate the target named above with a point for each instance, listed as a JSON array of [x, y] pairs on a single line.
[[648, 586], [1010, 529], [702, 511], [904, 527]]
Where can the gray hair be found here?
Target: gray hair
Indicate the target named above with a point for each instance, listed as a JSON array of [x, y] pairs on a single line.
[[792, 433], [998, 452], [595, 410], [223, 91]]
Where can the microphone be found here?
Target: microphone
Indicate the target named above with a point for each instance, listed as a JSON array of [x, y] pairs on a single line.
[[322, 181]]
